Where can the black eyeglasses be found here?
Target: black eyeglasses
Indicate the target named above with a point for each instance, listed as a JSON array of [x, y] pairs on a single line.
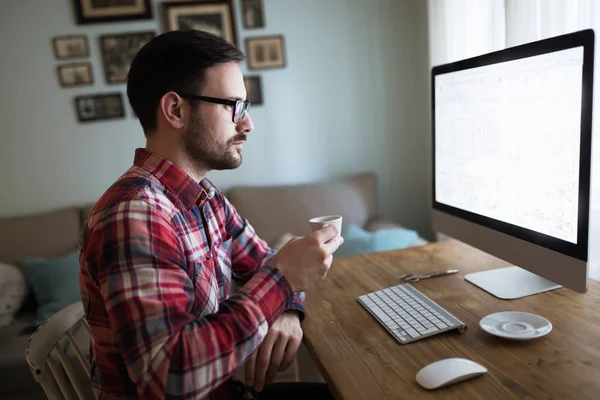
[[239, 106]]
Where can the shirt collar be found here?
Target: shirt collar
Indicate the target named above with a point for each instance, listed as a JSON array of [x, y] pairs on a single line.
[[180, 184]]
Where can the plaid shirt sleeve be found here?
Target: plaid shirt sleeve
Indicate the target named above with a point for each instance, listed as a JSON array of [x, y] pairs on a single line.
[[250, 253], [136, 260]]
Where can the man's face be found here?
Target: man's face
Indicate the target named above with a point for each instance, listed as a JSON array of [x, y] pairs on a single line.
[[212, 137]]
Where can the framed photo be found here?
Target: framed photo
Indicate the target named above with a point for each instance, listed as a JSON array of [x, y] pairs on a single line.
[[118, 51], [265, 52], [254, 90], [213, 16], [253, 15], [72, 46], [92, 11], [99, 107], [76, 74]]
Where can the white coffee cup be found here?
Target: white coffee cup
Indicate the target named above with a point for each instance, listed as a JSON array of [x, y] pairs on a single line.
[[319, 222]]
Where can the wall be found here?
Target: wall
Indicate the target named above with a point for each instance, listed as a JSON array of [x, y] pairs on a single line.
[[353, 97]]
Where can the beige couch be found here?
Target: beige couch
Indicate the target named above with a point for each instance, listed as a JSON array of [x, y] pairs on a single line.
[[272, 210]]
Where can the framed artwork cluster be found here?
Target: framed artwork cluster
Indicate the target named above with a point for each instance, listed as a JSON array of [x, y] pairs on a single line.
[[262, 52], [117, 50], [73, 47]]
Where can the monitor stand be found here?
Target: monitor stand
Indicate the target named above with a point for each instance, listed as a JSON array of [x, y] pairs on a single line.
[[510, 282]]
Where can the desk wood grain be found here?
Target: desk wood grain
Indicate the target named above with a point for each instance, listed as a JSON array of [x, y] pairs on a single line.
[[360, 360]]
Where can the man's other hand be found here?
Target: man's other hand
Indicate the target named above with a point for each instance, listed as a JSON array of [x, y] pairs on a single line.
[[277, 351]]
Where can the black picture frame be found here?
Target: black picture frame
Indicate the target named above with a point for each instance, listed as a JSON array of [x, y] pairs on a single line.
[[75, 74], [253, 14], [254, 90], [98, 107], [69, 47], [118, 51], [201, 15], [265, 52], [88, 13]]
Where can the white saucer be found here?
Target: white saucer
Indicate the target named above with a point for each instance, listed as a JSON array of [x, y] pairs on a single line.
[[515, 325]]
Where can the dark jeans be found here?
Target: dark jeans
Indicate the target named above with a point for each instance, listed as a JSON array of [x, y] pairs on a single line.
[[295, 391]]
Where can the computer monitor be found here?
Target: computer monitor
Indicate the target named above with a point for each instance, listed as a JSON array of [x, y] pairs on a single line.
[[511, 161]]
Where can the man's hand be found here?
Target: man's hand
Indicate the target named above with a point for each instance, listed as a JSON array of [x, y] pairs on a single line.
[[305, 261], [277, 351]]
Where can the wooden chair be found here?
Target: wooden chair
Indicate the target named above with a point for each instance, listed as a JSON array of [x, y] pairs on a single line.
[[56, 361]]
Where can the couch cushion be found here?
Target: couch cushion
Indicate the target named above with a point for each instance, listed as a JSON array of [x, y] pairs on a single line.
[[360, 241], [273, 210], [13, 289], [39, 235], [55, 283]]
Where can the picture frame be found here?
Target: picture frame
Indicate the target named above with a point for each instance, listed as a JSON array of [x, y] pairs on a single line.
[[253, 14], [213, 16], [265, 52], [119, 50], [69, 47], [254, 90], [96, 11], [75, 74], [99, 107]]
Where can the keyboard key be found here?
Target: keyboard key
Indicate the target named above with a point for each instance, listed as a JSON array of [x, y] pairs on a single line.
[[412, 333], [380, 314]]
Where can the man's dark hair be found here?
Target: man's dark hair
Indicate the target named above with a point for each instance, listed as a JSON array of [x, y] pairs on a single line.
[[174, 61]]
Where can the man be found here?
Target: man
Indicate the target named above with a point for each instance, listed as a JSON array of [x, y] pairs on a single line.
[[162, 245]]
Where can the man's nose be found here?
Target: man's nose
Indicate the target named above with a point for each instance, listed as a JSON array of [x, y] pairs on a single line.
[[245, 125]]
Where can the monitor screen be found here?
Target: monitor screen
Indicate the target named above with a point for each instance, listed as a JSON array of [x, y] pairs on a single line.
[[507, 141]]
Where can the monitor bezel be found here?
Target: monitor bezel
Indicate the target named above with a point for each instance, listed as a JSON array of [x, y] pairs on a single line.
[[583, 39]]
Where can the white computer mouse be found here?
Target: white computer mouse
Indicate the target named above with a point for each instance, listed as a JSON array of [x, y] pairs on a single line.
[[446, 372]]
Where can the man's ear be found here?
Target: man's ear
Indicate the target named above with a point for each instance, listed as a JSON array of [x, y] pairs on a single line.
[[173, 110]]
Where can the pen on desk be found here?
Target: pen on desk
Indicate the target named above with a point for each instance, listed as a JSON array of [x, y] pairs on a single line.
[[416, 278]]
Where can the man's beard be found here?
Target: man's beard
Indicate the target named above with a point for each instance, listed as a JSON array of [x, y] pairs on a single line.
[[200, 146]]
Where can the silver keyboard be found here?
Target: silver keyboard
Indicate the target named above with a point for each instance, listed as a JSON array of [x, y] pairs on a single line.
[[408, 314]]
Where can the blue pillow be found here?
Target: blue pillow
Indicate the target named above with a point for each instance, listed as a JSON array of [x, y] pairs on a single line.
[[360, 241], [55, 283]]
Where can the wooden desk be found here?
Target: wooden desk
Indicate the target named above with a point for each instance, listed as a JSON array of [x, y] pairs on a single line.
[[360, 360]]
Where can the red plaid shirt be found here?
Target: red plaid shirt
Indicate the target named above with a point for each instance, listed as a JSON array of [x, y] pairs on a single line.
[[156, 263]]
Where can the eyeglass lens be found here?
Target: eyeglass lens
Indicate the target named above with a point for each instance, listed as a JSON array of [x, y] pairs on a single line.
[[240, 110]]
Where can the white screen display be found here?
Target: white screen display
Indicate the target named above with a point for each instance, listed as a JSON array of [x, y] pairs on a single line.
[[507, 139]]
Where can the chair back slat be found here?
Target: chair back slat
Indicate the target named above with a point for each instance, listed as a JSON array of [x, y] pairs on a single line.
[[84, 362], [85, 323], [73, 378], [50, 386], [59, 377]]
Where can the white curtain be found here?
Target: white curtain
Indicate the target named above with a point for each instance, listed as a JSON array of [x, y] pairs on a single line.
[[464, 28], [460, 29], [530, 20]]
